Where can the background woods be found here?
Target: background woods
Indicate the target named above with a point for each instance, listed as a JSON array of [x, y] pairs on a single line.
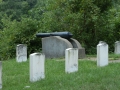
[[90, 21]]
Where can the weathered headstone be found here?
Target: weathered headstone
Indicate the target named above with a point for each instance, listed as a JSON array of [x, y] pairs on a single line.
[[117, 47], [102, 54], [37, 71], [0, 75], [71, 60], [21, 53]]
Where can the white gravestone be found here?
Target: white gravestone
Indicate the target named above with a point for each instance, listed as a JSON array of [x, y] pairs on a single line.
[[102, 54], [71, 60], [21, 53], [0, 75], [37, 61], [117, 47]]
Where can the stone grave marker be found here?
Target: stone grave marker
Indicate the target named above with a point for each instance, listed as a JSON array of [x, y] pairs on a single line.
[[71, 60], [0, 75], [37, 71], [117, 47], [102, 54], [21, 53]]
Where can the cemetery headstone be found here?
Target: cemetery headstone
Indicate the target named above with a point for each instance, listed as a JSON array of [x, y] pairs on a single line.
[[71, 60], [37, 71], [0, 75], [117, 47], [21, 53], [102, 54]]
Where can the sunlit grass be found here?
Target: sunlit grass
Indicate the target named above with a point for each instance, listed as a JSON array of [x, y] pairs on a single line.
[[88, 77]]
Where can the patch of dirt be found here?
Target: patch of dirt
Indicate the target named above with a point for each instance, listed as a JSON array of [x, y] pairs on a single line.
[[89, 58], [111, 60], [114, 61], [95, 59]]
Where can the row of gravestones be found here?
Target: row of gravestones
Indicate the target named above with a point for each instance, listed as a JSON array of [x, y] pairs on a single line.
[[21, 51], [37, 60]]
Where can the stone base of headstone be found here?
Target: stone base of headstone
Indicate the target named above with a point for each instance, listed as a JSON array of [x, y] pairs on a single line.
[[0, 75], [117, 47], [37, 67], [102, 54], [71, 60], [81, 53]]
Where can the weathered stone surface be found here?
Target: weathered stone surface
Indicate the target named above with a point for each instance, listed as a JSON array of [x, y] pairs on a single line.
[[76, 44], [102, 54], [71, 60], [37, 71], [21, 53], [0, 75], [117, 47], [55, 46], [81, 53]]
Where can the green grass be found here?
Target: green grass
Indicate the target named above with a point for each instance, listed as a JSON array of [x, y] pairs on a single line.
[[88, 77], [111, 56], [114, 56]]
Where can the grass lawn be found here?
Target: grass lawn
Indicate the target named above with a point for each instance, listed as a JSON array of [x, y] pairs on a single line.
[[88, 77]]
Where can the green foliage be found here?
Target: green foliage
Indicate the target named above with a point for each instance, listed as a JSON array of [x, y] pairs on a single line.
[[6, 37], [14, 33], [90, 21], [15, 9]]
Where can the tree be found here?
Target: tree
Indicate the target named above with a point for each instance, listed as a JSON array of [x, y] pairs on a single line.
[[88, 20]]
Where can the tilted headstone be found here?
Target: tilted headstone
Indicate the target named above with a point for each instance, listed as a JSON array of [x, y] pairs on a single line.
[[71, 60], [0, 74], [37, 71], [21, 53], [55, 46], [102, 54], [117, 47]]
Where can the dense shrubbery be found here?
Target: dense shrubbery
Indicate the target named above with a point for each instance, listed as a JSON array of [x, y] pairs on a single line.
[[90, 21], [15, 32]]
